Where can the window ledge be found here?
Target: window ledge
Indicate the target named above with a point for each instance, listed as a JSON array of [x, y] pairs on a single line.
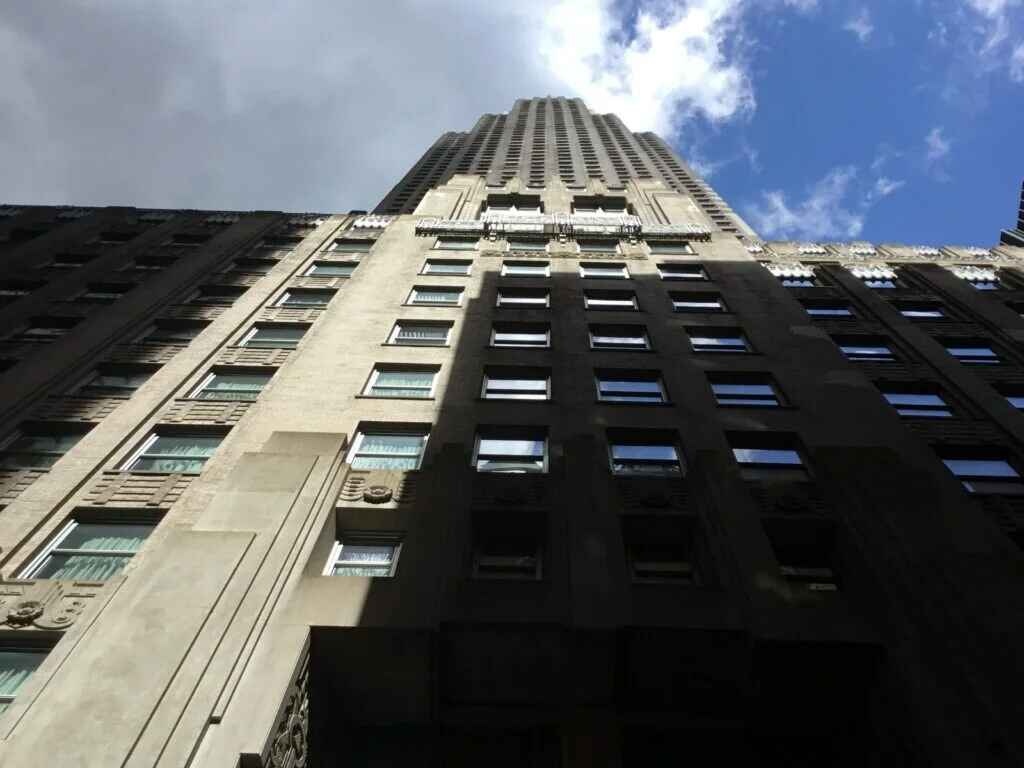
[[619, 403], [404, 397]]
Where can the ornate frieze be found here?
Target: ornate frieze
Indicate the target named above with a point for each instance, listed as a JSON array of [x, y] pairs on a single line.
[[44, 604]]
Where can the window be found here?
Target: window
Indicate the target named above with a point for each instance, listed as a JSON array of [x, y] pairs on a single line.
[[768, 456], [42, 330], [830, 308], [983, 471], [805, 552], [388, 381], [231, 385], [915, 401], [304, 297], [116, 238], [629, 337], [972, 351], [173, 453], [114, 381], [252, 266], [16, 666], [502, 550], [274, 336], [693, 272], [331, 268], [280, 243], [697, 302], [12, 290], [456, 243], [753, 390], [878, 277], [364, 555], [188, 240], [153, 262], [620, 300], [523, 297], [420, 334], [520, 335], [90, 551], [103, 293], [217, 295], [920, 310], [615, 206], [627, 386], [527, 244], [387, 449], [39, 446], [525, 269], [510, 450], [172, 332], [646, 453], [446, 267], [516, 384], [865, 348], [707, 339], [435, 296], [671, 248], [71, 260], [609, 270], [660, 549], [351, 246], [1014, 395]]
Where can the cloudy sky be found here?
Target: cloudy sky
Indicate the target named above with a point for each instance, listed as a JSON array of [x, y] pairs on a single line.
[[894, 120]]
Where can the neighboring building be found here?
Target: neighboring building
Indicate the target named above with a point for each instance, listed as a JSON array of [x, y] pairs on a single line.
[[565, 468]]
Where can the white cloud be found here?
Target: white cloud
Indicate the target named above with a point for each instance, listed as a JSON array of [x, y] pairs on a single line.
[[996, 23], [885, 186], [937, 145], [823, 213], [679, 60], [860, 25], [1017, 64]]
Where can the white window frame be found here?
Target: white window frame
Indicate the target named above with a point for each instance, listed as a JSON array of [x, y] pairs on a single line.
[[125, 466], [393, 339], [377, 370], [546, 345], [194, 394], [311, 269], [244, 341], [282, 300], [428, 263], [546, 378], [623, 270], [494, 434], [337, 244], [597, 303], [504, 299], [52, 545], [458, 290], [625, 375], [440, 244], [334, 558], [745, 348], [514, 263], [545, 244], [701, 276], [620, 347], [357, 443]]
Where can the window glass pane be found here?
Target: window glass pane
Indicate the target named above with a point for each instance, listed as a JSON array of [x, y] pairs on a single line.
[[537, 297], [435, 296], [402, 384], [971, 352], [372, 560], [15, 668], [743, 389], [125, 381], [235, 386], [456, 243], [767, 456], [176, 453], [907, 398], [297, 298], [447, 268], [980, 468], [524, 385], [85, 552], [682, 272], [836, 311], [276, 337], [498, 446], [519, 268], [603, 270], [520, 338], [650, 452], [351, 246], [332, 269], [389, 451]]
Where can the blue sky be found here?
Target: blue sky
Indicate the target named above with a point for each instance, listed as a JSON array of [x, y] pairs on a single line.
[[816, 119]]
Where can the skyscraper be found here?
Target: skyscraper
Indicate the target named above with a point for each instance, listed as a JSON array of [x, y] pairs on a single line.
[[549, 461]]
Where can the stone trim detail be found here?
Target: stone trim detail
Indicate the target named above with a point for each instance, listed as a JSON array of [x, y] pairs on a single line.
[[289, 315], [253, 356], [44, 605], [13, 482], [288, 745], [78, 408], [137, 490], [157, 354], [205, 412], [378, 487]]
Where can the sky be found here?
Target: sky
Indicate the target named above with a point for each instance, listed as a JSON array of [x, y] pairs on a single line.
[[880, 120]]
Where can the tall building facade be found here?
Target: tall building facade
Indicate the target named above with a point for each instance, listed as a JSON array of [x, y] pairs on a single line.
[[549, 461]]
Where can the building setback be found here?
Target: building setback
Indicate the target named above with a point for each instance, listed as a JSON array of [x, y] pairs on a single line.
[[549, 461]]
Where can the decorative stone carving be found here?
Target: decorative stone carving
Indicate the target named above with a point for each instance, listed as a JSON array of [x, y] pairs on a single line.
[[42, 604], [289, 742], [378, 486]]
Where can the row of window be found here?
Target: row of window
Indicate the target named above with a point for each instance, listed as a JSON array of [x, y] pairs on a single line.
[[583, 245]]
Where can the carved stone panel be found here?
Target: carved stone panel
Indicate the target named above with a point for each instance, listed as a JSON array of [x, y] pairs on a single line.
[[288, 746], [135, 490], [378, 487], [157, 354], [289, 314], [43, 604], [14, 481], [253, 356], [194, 312], [205, 412], [76, 408]]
